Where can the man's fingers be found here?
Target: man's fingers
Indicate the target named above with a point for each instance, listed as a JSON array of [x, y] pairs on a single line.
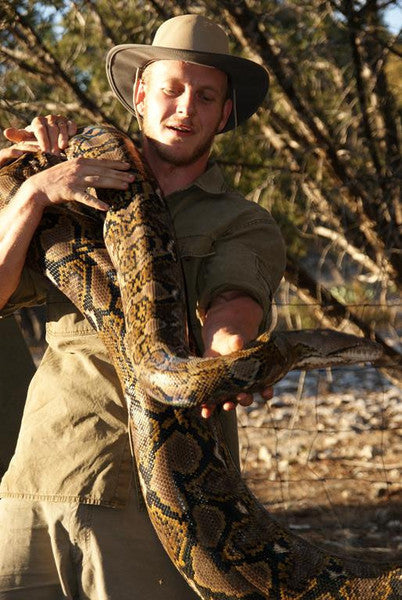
[[118, 180], [39, 127], [206, 411], [267, 393], [71, 127], [244, 399], [13, 152], [105, 173], [7, 154], [89, 200], [26, 146], [103, 163], [229, 405], [18, 135], [52, 132], [67, 129], [74, 180], [63, 135], [60, 130]]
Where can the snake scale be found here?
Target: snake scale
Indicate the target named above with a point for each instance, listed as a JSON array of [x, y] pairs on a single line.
[[124, 275]]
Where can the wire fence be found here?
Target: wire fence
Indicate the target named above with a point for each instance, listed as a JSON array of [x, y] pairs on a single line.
[[324, 455]]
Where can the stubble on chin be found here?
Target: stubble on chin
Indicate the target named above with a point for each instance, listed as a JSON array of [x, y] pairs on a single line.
[[174, 154], [177, 156]]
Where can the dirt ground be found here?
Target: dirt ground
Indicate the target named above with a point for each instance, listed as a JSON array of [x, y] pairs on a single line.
[[324, 457]]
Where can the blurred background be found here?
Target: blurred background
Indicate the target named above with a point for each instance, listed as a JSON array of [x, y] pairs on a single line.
[[323, 154]]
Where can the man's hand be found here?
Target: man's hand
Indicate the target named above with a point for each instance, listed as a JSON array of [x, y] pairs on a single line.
[[50, 133], [231, 321], [12, 152], [69, 182]]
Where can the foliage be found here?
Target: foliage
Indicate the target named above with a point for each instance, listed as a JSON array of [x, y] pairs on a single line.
[[324, 153]]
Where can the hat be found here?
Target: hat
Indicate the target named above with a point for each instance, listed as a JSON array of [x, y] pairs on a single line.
[[191, 38]]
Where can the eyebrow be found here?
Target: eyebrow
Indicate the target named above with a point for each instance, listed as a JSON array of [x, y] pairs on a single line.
[[173, 79]]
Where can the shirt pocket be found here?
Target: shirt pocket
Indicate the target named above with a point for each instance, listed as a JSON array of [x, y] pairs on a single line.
[[195, 246]]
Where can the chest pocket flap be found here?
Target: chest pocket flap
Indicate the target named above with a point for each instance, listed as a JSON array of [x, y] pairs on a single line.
[[195, 246]]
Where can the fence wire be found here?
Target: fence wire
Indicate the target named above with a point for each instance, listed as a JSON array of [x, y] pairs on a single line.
[[324, 455]]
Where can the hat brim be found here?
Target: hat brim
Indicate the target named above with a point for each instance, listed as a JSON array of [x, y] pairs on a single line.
[[249, 79]]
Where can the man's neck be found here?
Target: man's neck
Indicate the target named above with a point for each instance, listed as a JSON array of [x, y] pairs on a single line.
[[171, 177]]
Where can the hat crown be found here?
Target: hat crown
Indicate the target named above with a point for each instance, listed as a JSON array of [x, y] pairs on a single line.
[[192, 32], [196, 39]]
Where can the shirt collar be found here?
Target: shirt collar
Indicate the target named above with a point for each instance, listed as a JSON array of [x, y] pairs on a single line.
[[211, 181]]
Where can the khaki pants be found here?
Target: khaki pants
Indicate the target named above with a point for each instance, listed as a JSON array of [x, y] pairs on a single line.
[[55, 551]]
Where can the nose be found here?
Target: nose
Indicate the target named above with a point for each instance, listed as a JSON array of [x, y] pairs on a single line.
[[186, 103]]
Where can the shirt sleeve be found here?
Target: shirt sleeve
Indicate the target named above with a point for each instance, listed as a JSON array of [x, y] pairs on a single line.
[[31, 291], [249, 257]]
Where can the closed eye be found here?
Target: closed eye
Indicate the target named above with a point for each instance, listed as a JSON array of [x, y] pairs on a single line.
[[207, 98]]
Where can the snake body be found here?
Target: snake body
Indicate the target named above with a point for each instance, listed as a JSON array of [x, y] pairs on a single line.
[[124, 275]]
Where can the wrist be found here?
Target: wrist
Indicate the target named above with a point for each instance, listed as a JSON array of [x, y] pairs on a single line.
[[32, 198], [222, 341], [230, 322]]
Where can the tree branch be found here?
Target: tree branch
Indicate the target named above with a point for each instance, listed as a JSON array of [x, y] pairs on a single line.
[[332, 314]]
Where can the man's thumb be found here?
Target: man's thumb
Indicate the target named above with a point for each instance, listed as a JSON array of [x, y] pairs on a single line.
[[18, 135]]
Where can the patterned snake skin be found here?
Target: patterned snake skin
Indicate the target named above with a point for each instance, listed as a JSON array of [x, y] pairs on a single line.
[[125, 276]]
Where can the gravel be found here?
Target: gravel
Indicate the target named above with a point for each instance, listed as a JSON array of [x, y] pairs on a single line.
[[324, 456]]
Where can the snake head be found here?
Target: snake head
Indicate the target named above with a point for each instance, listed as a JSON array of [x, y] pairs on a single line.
[[321, 348]]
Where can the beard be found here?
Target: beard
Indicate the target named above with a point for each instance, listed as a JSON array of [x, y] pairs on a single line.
[[175, 155], [178, 157]]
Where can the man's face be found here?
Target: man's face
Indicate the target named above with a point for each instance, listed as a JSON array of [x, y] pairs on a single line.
[[183, 106]]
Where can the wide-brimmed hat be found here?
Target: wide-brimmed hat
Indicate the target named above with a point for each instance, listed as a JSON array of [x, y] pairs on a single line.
[[191, 38]]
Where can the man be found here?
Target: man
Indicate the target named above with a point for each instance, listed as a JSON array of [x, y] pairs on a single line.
[[69, 508]]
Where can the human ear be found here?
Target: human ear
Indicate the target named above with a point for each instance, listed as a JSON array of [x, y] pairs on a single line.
[[226, 110], [139, 95]]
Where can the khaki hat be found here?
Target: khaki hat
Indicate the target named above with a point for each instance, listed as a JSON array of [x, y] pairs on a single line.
[[191, 38]]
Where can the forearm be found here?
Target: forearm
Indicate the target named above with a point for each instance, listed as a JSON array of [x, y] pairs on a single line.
[[64, 182], [20, 218], [18, 222], [232, 320]]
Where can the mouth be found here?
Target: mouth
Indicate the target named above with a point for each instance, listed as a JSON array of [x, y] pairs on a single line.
[[180, 129]]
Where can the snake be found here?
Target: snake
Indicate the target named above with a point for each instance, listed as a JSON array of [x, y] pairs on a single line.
[[123, 272]]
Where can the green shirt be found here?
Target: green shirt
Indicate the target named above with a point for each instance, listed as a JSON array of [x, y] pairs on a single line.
[[73, 443]]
